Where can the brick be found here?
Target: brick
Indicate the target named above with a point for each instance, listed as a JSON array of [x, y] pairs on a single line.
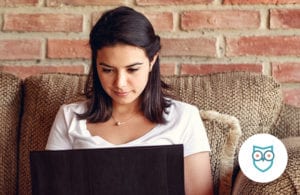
[[13, 3], [263, 46], [43, 22], [55, 3], [60, 48], [155, 18], [161, 21], [172, 2], [167, 69], [286, 72], [284, 19], [189, 47], [227, 19], [95, 17], [20, 49], [214, 68], [245, 2], [292, 96], [25, 71]]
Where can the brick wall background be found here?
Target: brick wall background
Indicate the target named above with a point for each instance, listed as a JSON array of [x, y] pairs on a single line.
[[198, 36]]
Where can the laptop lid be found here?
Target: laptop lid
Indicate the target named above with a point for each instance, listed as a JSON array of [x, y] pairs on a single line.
[[155, 170]]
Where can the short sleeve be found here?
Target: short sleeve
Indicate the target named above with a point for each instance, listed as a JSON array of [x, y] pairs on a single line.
[[195, 137], [58, 138]]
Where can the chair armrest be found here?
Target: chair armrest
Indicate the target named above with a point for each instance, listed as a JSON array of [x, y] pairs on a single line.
[[223, 132], [288, 122], [287, 183]]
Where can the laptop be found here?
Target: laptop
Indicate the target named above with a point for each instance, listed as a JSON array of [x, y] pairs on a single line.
[[143, 170]]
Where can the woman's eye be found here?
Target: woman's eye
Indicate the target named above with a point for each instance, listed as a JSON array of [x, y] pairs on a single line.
[[132, 69], [106, 70]]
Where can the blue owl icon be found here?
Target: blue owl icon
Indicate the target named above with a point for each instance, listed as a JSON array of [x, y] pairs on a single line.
[[263, 157]]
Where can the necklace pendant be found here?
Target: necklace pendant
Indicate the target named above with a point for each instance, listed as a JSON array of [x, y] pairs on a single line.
[[118, 123]]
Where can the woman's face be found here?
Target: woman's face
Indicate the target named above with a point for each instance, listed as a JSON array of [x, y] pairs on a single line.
[[123, 71]]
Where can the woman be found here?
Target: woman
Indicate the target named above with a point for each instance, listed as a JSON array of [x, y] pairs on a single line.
[[124, 91]]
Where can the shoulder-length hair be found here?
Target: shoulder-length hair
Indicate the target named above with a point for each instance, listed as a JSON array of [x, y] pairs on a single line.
[[127, 26]]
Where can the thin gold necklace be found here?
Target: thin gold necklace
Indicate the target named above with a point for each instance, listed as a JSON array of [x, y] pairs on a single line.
[[119, 123]]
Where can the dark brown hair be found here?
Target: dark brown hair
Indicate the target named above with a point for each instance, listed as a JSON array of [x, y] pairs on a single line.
[[127, 26]]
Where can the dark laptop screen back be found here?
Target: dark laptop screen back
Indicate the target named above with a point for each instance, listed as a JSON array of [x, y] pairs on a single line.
[[155, 170]]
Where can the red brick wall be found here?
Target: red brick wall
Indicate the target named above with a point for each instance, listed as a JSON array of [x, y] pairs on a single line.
[[198, 36]]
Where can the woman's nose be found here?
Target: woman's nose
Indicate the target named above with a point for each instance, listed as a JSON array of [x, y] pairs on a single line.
[[121, 80]]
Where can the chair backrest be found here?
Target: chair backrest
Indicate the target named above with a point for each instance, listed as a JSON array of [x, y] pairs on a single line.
[[10, 104], [287, 124], [252, 98], [43, 95]]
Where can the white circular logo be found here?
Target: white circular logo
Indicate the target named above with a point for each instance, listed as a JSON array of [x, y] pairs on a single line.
[[263, 158]]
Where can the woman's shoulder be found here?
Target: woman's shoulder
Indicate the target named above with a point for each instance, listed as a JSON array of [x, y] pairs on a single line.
[[182, 106], [180, 109], [76, 107]]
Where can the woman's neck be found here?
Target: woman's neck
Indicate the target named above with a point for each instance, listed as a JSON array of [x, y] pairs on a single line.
[[120, 110]]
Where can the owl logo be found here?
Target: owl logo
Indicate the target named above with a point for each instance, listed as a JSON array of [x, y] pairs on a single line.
[[263, 157]]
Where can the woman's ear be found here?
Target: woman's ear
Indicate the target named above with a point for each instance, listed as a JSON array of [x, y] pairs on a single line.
[[153, 61]]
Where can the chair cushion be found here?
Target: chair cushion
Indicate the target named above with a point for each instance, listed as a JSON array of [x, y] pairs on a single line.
[[10, 103], [254, 99], [223, 132], [44, 94]]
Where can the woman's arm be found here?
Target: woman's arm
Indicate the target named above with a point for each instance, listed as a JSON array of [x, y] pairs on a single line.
[[58, 138], [197, 174]]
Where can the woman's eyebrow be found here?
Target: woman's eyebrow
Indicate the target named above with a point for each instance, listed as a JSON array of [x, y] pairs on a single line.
[[104, 64], [128, 66]]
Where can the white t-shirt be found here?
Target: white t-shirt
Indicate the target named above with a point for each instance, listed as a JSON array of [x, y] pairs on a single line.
[[184, 126]]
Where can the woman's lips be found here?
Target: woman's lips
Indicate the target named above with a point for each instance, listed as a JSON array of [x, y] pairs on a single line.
[[121, 94]]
